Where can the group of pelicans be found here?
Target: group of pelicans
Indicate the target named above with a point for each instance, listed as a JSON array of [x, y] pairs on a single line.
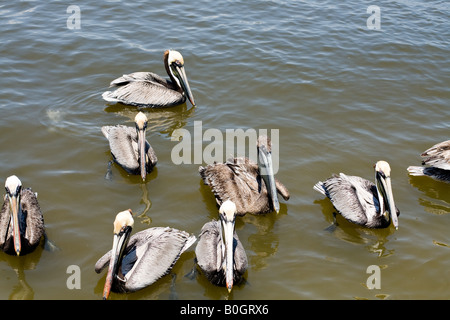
[[240, 186]]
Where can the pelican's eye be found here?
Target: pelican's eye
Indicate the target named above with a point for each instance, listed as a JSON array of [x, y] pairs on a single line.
[[381, 174], [9, 193], [124, 229], [178, 63]]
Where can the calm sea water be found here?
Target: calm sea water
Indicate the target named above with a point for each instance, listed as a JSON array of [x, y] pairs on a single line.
[[341, 94]]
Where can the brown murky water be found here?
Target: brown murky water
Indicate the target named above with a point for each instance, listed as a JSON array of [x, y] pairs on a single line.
[[341, 95]]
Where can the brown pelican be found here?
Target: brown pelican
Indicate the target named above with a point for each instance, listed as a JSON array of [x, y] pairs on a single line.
[[146, 89], [360, 201], [219, 253], [241, 181], [21, 220], [138, 261], [129, 147], [437, 159]]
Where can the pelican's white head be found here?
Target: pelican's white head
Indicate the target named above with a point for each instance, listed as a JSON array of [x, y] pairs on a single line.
[[123, 225], [174, 64], [141, 120], [384, 190], [227, 213], [123, 219], [141, 127], [383, 167], [13, 185], [228, 210], [175, 57]]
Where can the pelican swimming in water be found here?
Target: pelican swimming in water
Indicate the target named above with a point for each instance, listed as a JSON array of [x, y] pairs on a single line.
[[129, 147], [361, 201], [241, 181], [437, 159], [146, 89], [219, 253], [138, 261], [21, 220]]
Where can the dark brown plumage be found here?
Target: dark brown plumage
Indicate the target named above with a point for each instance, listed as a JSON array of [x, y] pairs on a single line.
[[240, 180]]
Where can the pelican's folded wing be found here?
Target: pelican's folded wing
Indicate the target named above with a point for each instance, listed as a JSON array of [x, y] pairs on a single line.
[[438, 155], [143, 89], [157, 250]]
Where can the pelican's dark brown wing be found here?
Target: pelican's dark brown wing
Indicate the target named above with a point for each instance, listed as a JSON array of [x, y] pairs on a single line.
[[238, 180], [6, 242], [34, 218]]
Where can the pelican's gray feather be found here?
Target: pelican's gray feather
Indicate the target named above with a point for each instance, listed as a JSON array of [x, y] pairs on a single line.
[[144, 89], [123, 142], [210, 254], [149, 255], [437, 162], [359, 200], [352, 196], [436, 173], [147, 89], [438, 156]]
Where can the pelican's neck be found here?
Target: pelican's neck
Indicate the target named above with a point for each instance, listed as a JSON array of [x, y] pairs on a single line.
[[170, 73], [381, 200]]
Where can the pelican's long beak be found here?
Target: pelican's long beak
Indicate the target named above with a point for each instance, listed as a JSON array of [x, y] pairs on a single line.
[[14, 201], [181, 73], [142, 154], [385, 188], [228, 227], [266, 170], [120, 242]]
